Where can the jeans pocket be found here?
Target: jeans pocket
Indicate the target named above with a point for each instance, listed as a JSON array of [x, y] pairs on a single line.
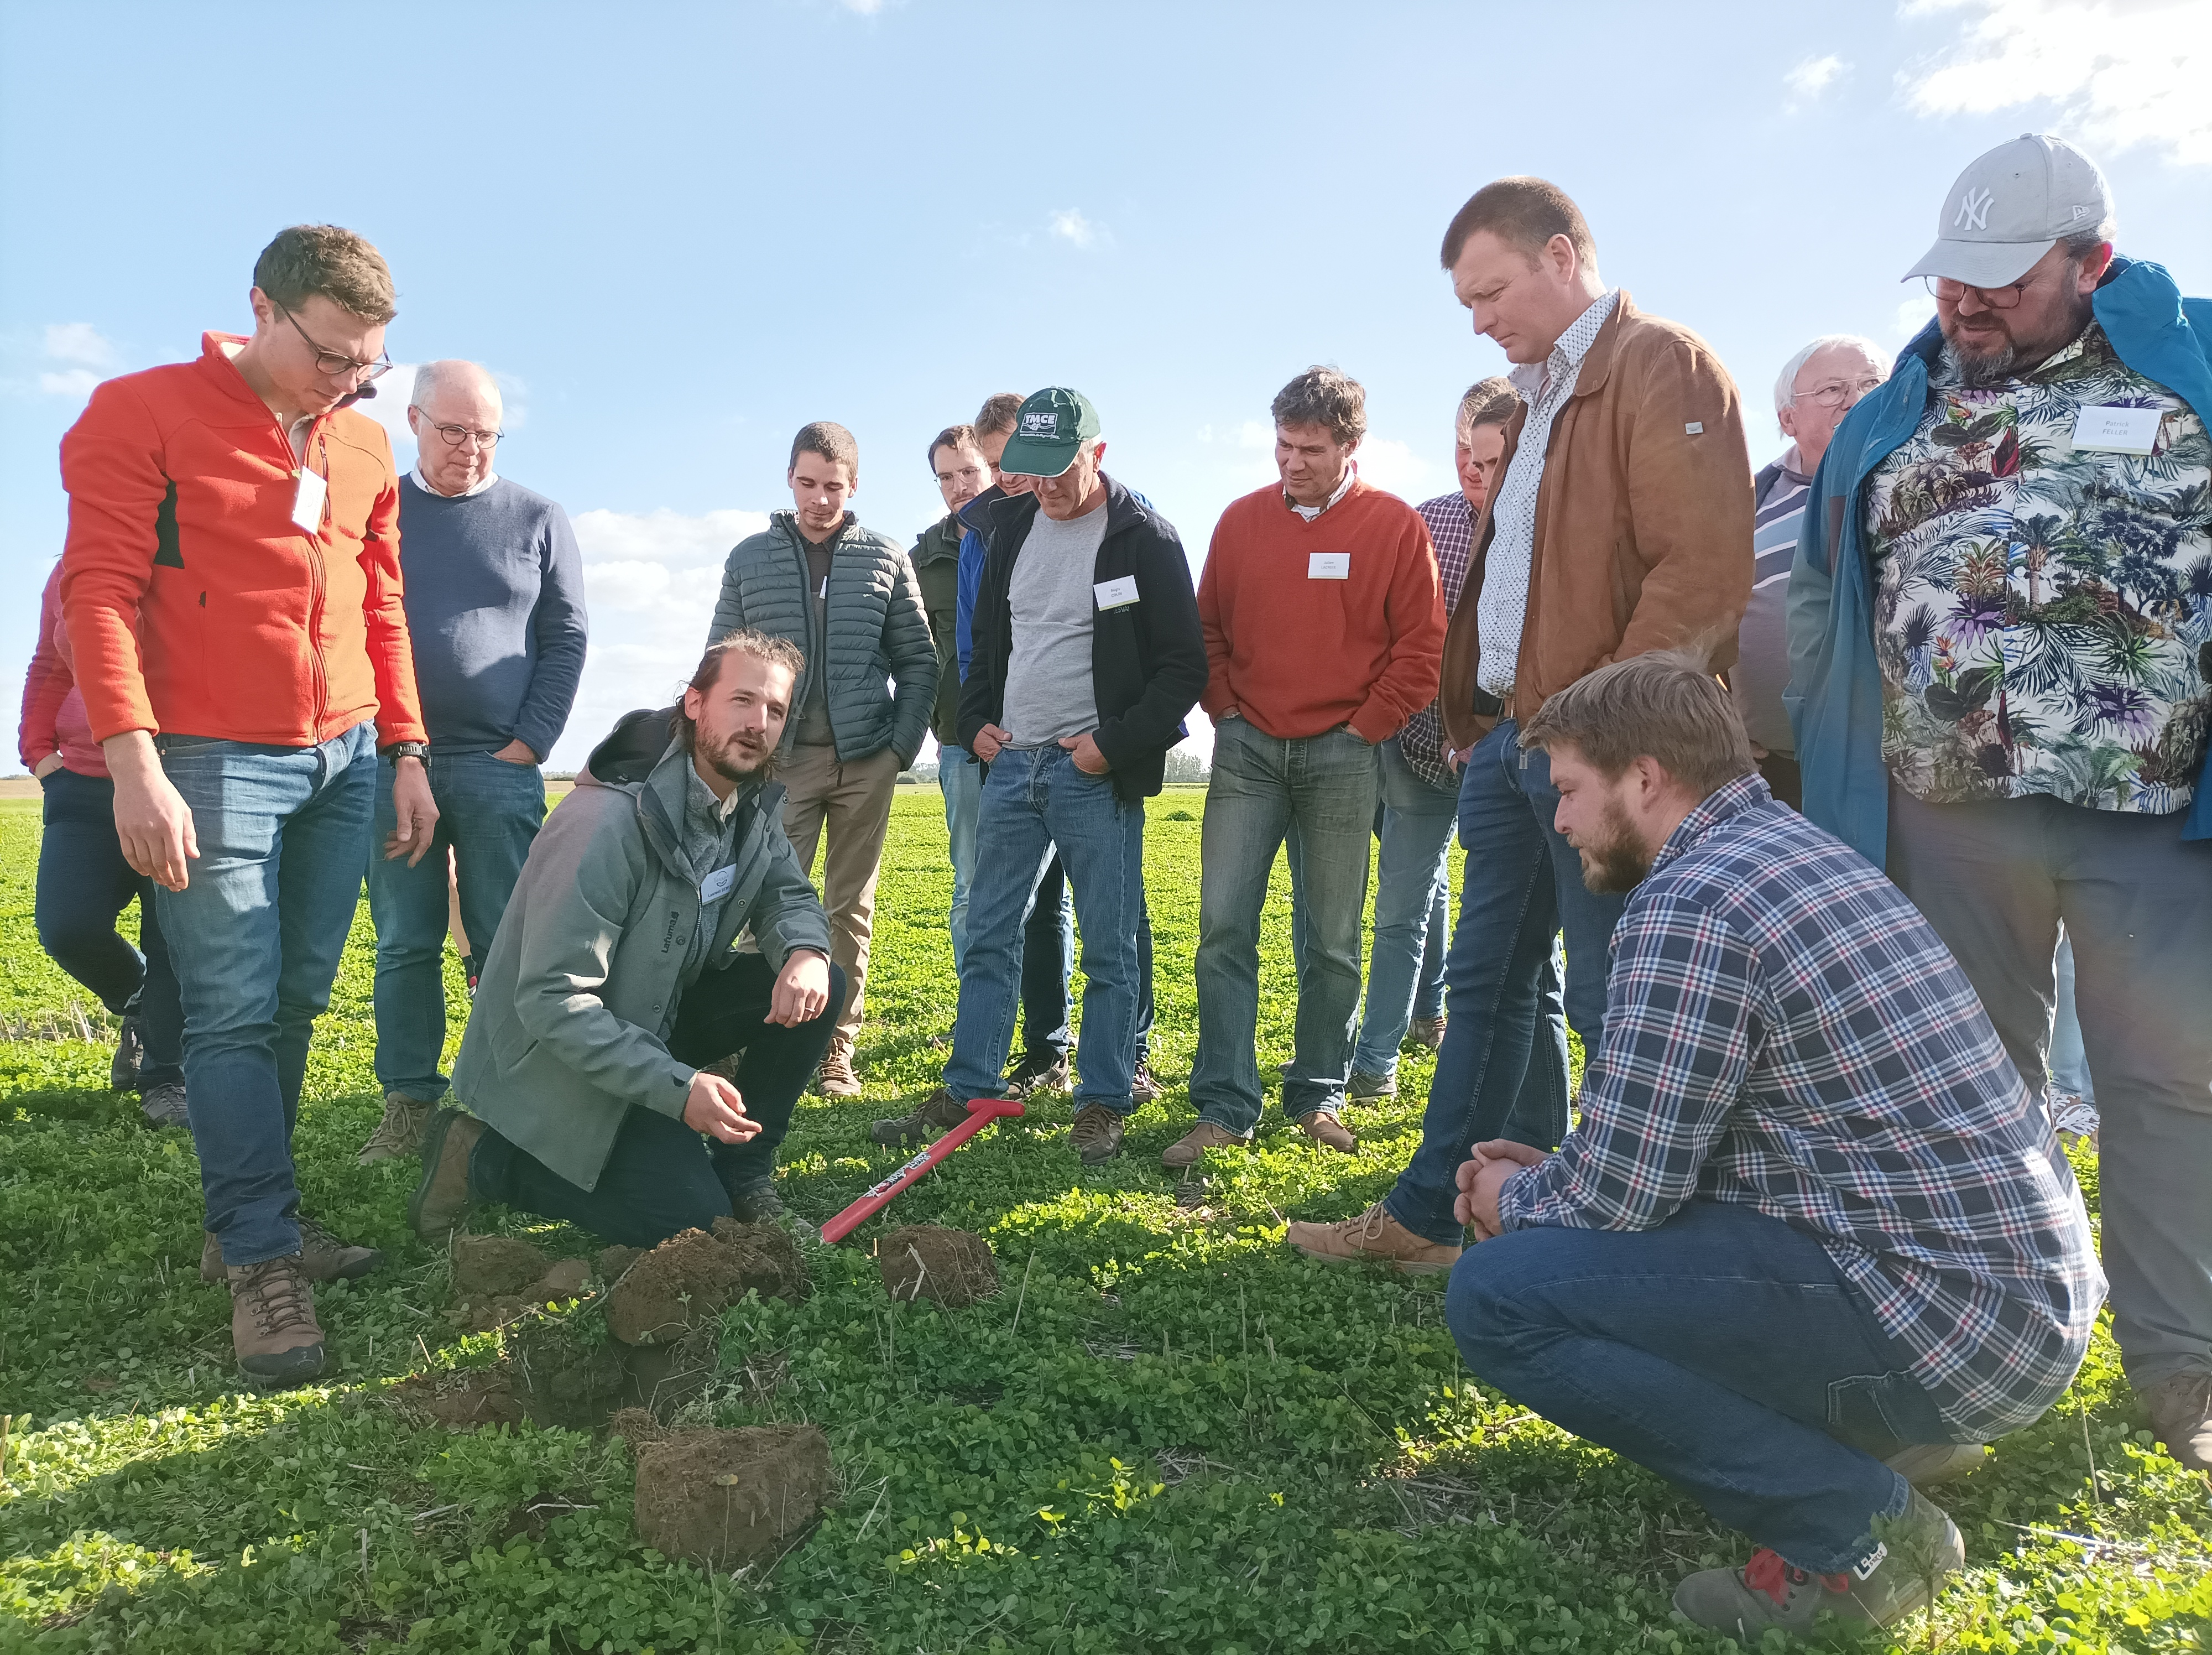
[[1874, 1412]]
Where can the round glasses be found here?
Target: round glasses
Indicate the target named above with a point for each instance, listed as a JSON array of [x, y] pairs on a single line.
[[1837, 393], [1950, 292], [331, 363], [456, 435]]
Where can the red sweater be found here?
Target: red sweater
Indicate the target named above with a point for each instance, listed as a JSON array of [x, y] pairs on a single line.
[[1298, 655], [247, 628], [53, 706]]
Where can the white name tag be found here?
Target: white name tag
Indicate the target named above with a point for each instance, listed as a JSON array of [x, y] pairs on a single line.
[[2117, 431], [716, 885], [1329, 566], [307, 502], [1116, 594]]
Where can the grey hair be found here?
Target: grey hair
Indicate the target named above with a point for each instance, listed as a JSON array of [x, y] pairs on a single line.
[[1785, 385], [2080, 245], [1327, 397], [433, 377]]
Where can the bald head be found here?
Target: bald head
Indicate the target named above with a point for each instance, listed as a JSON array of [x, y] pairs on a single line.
[[454, 411]]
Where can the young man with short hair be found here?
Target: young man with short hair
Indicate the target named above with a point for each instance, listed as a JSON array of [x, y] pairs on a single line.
[[847, 596], [610, 1004], [494, 594], [1813, 1242], [231, 588], [957, 463], [1324, 619]]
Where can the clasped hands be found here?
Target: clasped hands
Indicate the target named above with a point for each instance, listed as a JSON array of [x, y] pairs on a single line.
[[801, 994], [1481, 1178], [1082, 749]]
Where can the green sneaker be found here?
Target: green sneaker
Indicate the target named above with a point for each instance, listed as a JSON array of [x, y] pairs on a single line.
[[1916, 1551]]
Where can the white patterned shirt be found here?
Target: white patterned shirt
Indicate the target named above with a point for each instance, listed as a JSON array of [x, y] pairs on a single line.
[[1503, 606]]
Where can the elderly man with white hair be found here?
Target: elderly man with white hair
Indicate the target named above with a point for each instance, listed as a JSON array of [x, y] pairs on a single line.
[[494, 595], [1815, 389]]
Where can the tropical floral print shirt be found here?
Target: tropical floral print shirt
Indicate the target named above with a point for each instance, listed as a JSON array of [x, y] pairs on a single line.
[[2043, 615]]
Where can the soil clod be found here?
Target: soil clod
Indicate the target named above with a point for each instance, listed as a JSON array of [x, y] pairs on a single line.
[[612, 1262], [951, 1267], [726, 1498], [494, 1266], [688, 1279]]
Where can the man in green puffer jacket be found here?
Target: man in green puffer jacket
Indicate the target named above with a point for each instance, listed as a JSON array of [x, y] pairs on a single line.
[[848, 598]]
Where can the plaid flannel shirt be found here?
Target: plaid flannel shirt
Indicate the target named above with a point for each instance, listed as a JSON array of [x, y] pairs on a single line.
[[1783, 1029], [1451, 530]]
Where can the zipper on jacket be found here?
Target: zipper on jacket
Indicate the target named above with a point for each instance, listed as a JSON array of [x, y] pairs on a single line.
[[297, 463]]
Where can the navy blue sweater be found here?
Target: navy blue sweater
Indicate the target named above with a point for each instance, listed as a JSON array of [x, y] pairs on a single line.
[[494, 594]]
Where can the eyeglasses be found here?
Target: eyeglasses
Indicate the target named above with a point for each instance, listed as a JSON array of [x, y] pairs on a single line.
[[1836, 393], [456, 435], [1950, 292], [965, 474], [331, 363]]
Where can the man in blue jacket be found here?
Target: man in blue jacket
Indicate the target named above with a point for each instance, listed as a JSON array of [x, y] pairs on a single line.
[[2001, 640]]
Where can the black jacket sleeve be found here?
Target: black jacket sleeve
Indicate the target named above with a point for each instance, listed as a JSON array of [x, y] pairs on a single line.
[[1174, 649]]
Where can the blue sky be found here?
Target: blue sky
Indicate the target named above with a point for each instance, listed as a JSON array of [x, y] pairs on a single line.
[[679, 232]]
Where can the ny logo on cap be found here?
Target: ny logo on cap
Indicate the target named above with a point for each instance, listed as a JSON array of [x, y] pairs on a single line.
[[1044, 424], [1973, 211]]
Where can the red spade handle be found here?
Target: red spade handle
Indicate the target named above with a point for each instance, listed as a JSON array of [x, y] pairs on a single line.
[[982, 1112]]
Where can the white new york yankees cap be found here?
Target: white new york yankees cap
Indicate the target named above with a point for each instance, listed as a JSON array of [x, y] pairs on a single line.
[[2009, 206]]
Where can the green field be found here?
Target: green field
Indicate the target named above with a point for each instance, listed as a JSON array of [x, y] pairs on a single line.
[[1175, 1435]]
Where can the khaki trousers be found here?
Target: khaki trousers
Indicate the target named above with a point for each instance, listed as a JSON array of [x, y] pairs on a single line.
[[856, 801]]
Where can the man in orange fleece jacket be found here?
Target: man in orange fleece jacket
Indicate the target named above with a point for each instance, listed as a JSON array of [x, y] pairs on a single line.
[[248, 522], [1324, 619]]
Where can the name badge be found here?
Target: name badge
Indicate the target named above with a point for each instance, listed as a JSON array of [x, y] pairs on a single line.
[[1116, 594], [1329, 566], [2117, 431], [716, 885], [307, 501]]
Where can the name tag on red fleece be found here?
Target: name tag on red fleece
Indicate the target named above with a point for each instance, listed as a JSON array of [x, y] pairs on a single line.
[[307, 502], [1329, 566]]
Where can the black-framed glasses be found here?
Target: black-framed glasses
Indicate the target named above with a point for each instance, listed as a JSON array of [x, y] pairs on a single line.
[[456, 435], [1834, 393], [1950, 292], [331, 363]]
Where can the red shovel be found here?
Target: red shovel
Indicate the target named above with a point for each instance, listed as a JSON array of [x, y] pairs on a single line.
[[982, 1112]]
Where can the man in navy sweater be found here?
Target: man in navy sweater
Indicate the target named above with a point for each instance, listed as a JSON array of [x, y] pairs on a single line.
[[494, 594]]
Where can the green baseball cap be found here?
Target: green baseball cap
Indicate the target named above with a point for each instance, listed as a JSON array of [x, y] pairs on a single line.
[[1048, 430]]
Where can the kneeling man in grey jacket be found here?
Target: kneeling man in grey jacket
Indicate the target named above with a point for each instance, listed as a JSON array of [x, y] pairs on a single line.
[[612, 993]]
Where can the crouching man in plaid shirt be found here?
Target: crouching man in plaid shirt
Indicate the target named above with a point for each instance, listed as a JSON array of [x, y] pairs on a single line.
[[1813, 1242]]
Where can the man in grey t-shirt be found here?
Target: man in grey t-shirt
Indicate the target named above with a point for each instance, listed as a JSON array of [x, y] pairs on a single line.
[[1049, 690]]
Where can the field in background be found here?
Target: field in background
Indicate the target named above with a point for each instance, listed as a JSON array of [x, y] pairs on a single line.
[[1167, 1433]]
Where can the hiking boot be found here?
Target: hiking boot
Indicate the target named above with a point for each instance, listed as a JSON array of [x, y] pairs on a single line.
[[836, 1079], [1029, 1077], [1096, 1134], [164, 1104], [1323, 1127], [323, 1257], [1927, 1463], [1187, 1151], [938, 1112], [1426, 1031], [1366, 1088], [441, 1199], [1373, 1238], [756, 1202], [399, 1134], [272, 1323], [1768, 1591], [1144, 1085], [2181, 1413]]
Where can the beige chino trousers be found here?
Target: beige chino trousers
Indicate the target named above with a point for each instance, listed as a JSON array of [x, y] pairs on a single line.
[[854, 801]]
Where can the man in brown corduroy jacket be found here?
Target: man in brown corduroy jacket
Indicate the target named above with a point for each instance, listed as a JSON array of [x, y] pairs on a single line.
[[1620, 524]]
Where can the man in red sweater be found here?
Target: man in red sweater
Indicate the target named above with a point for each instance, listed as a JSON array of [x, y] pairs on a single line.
[[231, 588], [1323, 620]]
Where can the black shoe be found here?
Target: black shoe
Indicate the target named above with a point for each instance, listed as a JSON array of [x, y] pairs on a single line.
[[939, 1112], [129, 1054], [756, 1202], [1032, 1076]]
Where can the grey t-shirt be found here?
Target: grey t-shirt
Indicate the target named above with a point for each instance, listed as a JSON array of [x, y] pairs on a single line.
[[1049, 689]]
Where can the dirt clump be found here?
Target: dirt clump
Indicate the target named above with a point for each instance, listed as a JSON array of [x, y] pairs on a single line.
[[495, 1267], [688, 1279], [564, 1381], [612, 1262], [637, 1428], [461, 1401], [727, 1498], [951, 1267]]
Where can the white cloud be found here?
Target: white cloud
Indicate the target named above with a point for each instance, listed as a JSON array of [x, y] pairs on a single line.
[[2119, 74], [388, 408], [1391, 465], [1912, 315], [1812, 76], [70, 382], [1071, 226], [863, 8], [78, 342]]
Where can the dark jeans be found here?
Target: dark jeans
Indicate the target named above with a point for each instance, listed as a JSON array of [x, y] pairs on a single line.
[[488, 811], [83, 885], [1047, 962], [661, 1178], [1724, 1351], [1995, 881], [255, 936], [1503, 1070]]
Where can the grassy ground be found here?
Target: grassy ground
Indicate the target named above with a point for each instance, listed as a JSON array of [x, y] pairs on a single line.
[[1173, 1435]]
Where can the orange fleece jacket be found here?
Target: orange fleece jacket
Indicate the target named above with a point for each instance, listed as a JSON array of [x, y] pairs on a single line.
[[1297, 656], [247, 629]]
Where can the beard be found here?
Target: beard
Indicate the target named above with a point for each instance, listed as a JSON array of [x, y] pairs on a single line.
[[1619, 860], [735, 757], [1979, 370]]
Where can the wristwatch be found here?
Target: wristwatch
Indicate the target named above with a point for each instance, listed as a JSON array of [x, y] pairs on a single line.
[[400, 750]]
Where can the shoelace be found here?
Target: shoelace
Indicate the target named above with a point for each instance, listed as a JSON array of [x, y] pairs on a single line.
[[1771, 1573], [315, 1238], [1094, 1122], [277, 1296]]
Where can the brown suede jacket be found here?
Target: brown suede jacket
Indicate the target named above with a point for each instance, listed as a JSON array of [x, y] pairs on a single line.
[[1642, 524]]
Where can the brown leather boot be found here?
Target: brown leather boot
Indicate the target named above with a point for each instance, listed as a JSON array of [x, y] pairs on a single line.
[[1189, 1149], [1096, 1134], [939, 1112], [1324, 1128], [837, 1078], [441, 1199], [323, 1255], [272, 1323]]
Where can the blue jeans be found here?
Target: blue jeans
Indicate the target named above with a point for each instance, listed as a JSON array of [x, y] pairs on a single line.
[[83, 885], [960, 779], [1262, 789], [1436, 943], [1049, 962], [489, 811], [1504, 1065], [1413, 888], [255, 936], [1722, 1351], [1035, 800]]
